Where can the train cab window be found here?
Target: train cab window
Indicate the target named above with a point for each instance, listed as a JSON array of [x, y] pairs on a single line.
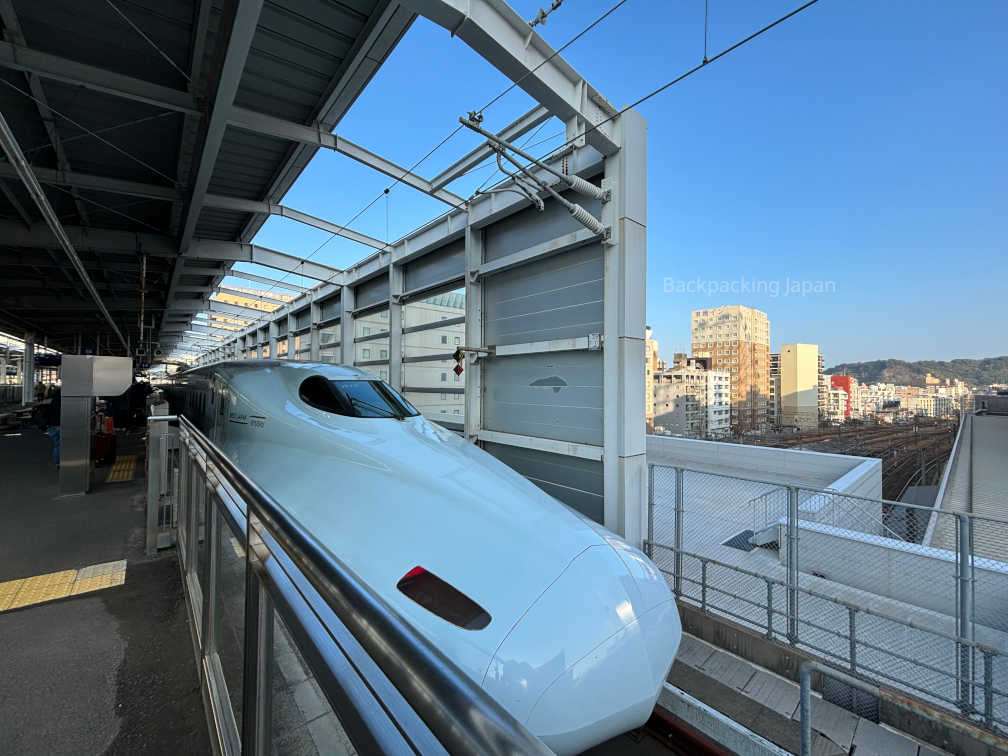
[[357, 398]]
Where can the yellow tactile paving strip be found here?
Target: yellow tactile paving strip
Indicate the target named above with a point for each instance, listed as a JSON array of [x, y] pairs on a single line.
[[54, 585], [123, 469]]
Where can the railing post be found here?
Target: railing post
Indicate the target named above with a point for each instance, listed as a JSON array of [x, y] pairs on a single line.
[[703, 585], [805, 710], [769, 609], [649, 550], [678, 570], [964, 569], [988, 689], [852, 631], [792, 563]]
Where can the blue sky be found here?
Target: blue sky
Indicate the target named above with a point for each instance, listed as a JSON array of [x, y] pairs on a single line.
[[859, 143]]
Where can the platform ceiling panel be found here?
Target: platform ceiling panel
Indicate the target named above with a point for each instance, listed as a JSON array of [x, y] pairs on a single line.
[[297, 49], [308, 61], [94, 33]]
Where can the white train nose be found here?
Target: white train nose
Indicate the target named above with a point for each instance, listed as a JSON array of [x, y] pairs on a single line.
[[590, 655]]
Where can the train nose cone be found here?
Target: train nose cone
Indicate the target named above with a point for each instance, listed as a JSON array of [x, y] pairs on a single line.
[[588, 659]]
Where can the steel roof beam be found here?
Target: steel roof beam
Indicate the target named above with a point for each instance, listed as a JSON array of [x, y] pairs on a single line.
[[233, 309], [17, 158], [77, 180], [268, 208], [248, 295], [263, 280], [111, 185], [57, 68], [261, 123], [206, 249], [240, 31], [535, 117], [14, 34], [381, 33], [494, 30], [14, 234]]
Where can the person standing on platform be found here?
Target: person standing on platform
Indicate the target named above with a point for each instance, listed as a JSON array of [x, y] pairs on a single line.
[[52, 419]]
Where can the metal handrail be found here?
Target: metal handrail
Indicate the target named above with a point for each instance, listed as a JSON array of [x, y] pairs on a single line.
[[455, 709], [905, 621]]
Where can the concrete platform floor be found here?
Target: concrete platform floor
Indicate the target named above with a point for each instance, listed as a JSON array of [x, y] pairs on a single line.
[[106, 672]]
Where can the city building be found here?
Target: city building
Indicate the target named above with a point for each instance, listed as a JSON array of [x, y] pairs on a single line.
[[650, 365], [799, 394], [838, 405], [773, 404], [692, 400], [846, 383], [737, 340], [824, 387]]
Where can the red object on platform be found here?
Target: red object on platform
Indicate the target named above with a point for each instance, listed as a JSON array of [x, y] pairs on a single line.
[[109, 425]]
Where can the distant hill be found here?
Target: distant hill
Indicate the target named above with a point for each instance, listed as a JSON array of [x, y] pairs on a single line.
[[975, 372]]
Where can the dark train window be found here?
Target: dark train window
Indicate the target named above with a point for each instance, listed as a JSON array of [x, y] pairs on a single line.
[[358, 398]]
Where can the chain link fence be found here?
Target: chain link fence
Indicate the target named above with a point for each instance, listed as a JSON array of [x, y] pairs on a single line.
[[902, 595]]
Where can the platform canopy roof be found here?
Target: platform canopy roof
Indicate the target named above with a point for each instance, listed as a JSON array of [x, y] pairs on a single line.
[[160, 136], [162, 133]]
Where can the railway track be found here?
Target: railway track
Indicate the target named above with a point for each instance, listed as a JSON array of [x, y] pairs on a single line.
[[678, 737]]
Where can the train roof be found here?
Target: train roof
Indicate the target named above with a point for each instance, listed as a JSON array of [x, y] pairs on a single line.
[[237, 367]]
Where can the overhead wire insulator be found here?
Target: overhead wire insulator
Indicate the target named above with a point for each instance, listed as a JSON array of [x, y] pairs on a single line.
[[585, 218], [586, 188]]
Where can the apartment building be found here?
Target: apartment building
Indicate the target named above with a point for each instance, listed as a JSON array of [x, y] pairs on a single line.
[[736, 338], [773, 404], [650, 365], [836, 406], [800, 386], [824, 389], [692, 400]]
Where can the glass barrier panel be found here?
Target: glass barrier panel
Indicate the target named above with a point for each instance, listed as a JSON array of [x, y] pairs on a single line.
[[301, 720], [229, 612]]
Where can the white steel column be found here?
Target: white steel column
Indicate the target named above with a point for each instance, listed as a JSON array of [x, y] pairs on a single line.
[[347, 326], [396, 354], [274, 338], [316, 316], [473, 332], [624, 459]]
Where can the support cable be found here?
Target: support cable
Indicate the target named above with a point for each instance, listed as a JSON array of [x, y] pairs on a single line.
[[148, 40], [101, 139]]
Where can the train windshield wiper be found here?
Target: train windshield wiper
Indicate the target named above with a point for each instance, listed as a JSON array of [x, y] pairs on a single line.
[[388, 413]]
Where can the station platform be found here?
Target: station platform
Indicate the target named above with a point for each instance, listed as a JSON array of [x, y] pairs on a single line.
[[97, 650]]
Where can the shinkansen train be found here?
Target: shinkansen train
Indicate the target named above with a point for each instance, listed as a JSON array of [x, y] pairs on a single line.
[[568, 626]]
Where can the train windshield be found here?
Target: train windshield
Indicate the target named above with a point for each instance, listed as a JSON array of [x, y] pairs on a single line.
[[358, 398]]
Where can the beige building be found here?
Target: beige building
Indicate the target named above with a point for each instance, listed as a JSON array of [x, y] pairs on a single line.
[[737, 340], [691, 400], [650, 366], [800, 371]]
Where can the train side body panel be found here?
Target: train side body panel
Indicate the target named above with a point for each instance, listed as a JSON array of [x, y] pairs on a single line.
[[583, 627]]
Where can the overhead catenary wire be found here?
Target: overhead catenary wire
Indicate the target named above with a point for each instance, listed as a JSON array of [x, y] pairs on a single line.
[[94, 134], [148, 40], [670, 83], [594, 127], [455, 131], [31, 184]]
